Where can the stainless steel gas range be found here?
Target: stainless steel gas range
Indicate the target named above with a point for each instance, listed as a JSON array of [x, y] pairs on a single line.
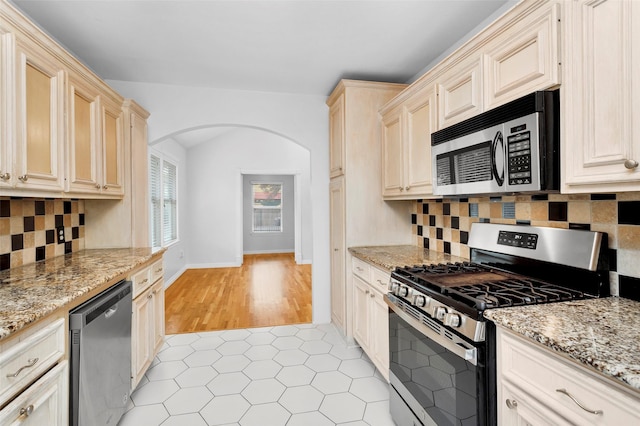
[[442, 350]]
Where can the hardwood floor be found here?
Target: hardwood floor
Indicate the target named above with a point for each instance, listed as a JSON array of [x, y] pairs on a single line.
[[267, 290]]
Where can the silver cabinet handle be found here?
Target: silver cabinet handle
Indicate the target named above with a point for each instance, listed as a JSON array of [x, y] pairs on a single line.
[[380, 282], [511, 403], [30, 363], [366, 292], [372, 295], [5, 176], [159, 270], [145, 281], [359, 269], [564, 391], [631, 164], [26, 411], [23, 178]]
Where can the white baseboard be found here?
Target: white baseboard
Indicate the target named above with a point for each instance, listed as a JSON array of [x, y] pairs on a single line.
[[268, 251], [305, 262], [169, 281], [213, 265]]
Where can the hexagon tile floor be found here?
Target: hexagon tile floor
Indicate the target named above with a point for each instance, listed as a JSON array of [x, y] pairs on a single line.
[[297, 375]]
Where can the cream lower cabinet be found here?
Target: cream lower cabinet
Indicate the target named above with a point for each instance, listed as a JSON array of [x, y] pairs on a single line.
[[147, 333], [407, 124], [601, 134], [538, 387], [371, 314]]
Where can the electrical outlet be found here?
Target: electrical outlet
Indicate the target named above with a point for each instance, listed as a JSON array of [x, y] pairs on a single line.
[[60, 234]]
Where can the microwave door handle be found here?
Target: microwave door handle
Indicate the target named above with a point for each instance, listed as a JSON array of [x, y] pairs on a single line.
[[494, 152]]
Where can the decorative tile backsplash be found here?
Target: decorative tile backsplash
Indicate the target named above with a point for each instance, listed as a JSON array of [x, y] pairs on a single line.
[[443, 225], [28, 229]]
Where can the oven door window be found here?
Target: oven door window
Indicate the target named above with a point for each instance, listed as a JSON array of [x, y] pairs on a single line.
[[445, 386]]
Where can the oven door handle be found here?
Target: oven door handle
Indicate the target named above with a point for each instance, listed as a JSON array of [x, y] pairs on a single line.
[[468, 354]]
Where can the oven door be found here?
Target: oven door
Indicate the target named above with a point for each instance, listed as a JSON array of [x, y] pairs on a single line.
[[436, 374]]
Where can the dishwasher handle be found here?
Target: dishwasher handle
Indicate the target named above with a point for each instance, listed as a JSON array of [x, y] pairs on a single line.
[[105, 303]]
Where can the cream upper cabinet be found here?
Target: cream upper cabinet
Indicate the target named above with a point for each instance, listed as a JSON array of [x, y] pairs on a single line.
[[84, 136], [523, 57], [406, 146], [460, 92], [392, 154], [95, 139], [599, 100], [336, 137], [6, 97], [39, 131], [112, 147]]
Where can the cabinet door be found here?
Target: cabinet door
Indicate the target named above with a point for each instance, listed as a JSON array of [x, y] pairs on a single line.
[[601, 136], [45, 402], [519, 409], [361, 303], [392, 154], [112, 147], [141, 342], [420, 123], [40, 119], [379, 333], [84, 148], [337, 243], [158, 316], [337, 137], [460, 92], [524, 57]]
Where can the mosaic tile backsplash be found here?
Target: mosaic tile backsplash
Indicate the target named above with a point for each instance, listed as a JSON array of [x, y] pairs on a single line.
[[443, 225], [29, 229]]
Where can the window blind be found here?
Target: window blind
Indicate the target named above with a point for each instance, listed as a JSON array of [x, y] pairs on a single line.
[[156, 211], [169, 203]]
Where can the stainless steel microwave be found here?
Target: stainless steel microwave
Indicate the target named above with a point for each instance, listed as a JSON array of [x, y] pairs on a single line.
[[513, 148]]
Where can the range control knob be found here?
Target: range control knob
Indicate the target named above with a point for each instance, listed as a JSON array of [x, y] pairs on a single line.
[[439, 313], [393, 287], [403, 291], [452, 320], [420, 301]]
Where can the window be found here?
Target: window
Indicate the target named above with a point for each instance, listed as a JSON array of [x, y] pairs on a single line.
[[267, 207], [164, 201]]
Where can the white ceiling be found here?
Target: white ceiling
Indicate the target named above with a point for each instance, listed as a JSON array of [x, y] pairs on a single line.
[[295, 46]]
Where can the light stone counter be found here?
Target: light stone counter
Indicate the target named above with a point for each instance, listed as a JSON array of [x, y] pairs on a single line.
[[603, 334], [31, 292], [390, 257]]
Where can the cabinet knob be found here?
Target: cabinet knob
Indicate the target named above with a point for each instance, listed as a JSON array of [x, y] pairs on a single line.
[[372, 295], [401, 188], [5, 176], [23, 178], [105, 187], [26, 411], [406, 188], [335, 249], [631, 164], [98, 186], [565, 392], [511, 403], [366, 292]]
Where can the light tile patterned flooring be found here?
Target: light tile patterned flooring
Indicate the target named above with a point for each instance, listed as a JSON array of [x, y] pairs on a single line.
[[296, 375]]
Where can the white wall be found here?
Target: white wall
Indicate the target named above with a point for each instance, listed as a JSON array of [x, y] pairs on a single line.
[[174, 259], [269, 242], [215, 170], [300, 118]]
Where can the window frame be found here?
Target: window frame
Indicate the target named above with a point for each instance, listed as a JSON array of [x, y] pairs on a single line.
[[281, 208], [163, 158]]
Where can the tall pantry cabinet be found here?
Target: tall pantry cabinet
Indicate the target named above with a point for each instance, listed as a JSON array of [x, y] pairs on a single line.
[[358, 214]]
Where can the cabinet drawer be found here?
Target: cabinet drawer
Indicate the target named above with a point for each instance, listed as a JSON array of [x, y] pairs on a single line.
[[23, 361], [157, 271], [361, 269], [552, 379], [45, 402], [380, 279], [141, 281]]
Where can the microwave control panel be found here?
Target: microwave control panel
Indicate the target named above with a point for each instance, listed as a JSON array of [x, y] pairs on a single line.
[[519, 155]]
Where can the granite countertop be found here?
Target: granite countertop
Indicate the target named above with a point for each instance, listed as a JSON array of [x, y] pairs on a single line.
[[389, 257], [33, 291], [603, 334]]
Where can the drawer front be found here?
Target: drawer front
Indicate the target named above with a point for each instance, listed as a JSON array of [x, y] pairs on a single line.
[[380, 279], [562, 386], [23, 361], [141, 281], [361, 269], [157, 271], [45, 402]]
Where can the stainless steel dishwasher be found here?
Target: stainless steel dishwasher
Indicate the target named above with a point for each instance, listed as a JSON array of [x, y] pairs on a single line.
[[100, 338]]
